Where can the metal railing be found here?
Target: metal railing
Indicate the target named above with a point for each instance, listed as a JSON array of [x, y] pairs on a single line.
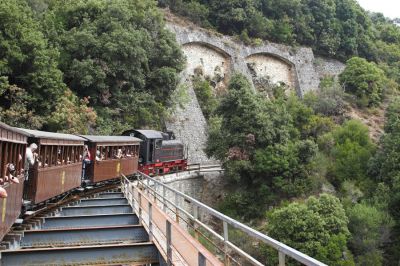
[[189, 216]]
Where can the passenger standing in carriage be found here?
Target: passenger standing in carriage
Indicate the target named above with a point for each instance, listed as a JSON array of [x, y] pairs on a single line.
[[30, 158], [87, 159]]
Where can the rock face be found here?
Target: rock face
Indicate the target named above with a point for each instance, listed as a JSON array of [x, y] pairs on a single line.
[[214, 55], [190, 126], [327, 67]]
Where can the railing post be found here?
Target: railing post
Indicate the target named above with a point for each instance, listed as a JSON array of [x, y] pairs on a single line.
[[281, 259], [196, 217], [176, 208], [164, 199], [202, 260], [226, 239], [148, 186], [150, 222], [140, 207], [169, 248], [155, 192]]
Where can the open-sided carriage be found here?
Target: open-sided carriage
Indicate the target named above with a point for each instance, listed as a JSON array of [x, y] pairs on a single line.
[[13, 145], [111, 156], [57, 167]]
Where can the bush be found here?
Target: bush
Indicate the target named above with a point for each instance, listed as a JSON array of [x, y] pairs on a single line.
[[363, 79], [317, 227], [350, 149], [204, 92]]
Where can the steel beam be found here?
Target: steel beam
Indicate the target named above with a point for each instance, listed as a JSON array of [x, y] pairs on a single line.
[[90, 221], [84, 236], [95, 210], [102, 202], [139, 253], [109, 195]]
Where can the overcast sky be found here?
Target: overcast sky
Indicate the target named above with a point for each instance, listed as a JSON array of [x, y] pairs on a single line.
[[390, 8]]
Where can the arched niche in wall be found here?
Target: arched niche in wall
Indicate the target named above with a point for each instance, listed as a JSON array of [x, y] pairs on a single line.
[[277, 69], [208, 61]]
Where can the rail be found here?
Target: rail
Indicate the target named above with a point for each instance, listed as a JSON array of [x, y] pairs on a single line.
[[190, 218]]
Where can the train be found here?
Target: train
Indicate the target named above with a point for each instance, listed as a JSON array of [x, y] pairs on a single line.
[[65, 162]]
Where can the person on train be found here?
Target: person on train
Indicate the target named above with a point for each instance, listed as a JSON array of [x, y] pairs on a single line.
[[119, 154], [30, 158], [11, 175], [87, 159], [98, 156]]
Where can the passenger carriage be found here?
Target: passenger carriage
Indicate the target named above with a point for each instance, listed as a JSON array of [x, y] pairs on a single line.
[[13, 145], [111, 156], [58, 166]]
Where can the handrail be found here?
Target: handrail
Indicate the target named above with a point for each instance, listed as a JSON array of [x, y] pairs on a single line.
[[283, 250]]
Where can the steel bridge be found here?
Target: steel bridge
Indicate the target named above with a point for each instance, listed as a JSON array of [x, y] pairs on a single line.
[[143, 222]]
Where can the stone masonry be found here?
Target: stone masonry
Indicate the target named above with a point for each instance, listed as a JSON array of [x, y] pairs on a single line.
[[214, 54]]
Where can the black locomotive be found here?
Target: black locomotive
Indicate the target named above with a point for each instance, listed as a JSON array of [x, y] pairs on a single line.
[[159, 152]]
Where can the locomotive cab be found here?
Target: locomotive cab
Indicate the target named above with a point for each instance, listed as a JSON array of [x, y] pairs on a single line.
[[151, 141]]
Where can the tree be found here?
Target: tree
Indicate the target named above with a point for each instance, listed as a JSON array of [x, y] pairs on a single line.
[[350, 149], [117, 54], [385, 167], [71, 115], [317, 227], [370, 229], [29, 63], [259, 143], [363, 79]]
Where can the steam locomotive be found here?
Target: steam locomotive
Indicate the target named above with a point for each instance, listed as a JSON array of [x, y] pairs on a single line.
[[160, 153]]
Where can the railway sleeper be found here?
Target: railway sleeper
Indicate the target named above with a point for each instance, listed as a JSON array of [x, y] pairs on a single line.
[[84, 236], [136, 253]]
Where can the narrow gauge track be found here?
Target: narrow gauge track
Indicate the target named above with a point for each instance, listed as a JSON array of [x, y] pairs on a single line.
[[95, 227]]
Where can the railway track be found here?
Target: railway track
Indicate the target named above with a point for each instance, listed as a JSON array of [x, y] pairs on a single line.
[[94, 227], [97, 227]]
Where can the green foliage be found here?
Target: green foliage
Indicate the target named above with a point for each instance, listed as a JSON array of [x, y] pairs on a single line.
[[117, 54], [260, 145], [71, 115], [317, 227], [17, 113], [338, 28], [370, 229], [363, 79], [204, 93], [28, 67], [328, 101], [350, 149], [385, 167]]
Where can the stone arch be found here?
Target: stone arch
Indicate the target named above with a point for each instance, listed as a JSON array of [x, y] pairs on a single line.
[[208, 60], [276, 67]]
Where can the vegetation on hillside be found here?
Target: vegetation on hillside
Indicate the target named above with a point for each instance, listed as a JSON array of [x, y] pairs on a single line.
[[111, 63], [335, 28], [285, 149]]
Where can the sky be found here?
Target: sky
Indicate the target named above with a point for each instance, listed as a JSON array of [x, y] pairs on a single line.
[[390, 8]]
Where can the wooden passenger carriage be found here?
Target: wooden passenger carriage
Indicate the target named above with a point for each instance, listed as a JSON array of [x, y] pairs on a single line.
[[13, 145], [58, 166], [107, 163]]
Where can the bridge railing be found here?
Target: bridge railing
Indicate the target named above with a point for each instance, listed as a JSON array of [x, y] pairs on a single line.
[[194, 216]]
